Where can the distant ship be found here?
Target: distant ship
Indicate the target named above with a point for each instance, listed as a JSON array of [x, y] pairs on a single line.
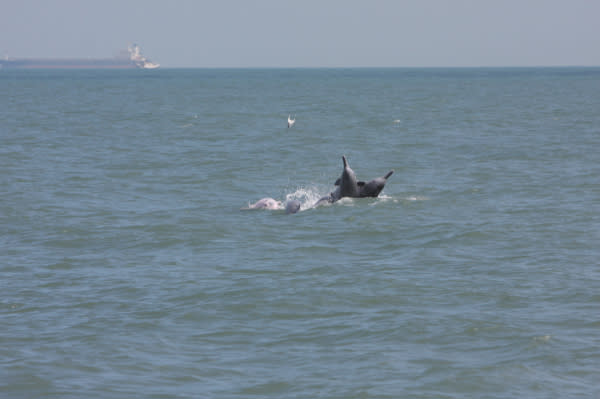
[[130, 58]]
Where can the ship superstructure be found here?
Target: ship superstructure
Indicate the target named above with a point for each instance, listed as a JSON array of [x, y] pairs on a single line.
[[135, 55], [131, 58]]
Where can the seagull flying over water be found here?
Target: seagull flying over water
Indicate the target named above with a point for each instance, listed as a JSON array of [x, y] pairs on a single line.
[[291, 121]]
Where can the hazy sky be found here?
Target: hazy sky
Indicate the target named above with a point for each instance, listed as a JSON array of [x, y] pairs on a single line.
[[309, 33]]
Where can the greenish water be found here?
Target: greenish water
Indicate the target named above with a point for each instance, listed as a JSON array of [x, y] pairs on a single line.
[[127, 268]]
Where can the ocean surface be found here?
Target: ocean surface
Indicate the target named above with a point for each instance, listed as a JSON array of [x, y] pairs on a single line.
[[128, 268]]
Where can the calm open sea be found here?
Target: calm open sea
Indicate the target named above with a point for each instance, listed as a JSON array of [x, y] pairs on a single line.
[[129, 270]]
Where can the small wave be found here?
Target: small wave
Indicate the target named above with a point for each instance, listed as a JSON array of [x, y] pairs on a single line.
[[381, 199], [542, 338], [348, 201], [416, 198]]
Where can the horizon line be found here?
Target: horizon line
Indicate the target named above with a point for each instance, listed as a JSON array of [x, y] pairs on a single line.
[[386, 67]]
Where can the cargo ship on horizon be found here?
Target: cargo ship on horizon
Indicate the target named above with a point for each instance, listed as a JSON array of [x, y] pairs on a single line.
[[127, 59]]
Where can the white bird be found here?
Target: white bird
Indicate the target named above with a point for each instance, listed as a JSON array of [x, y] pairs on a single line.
[[291, 121]]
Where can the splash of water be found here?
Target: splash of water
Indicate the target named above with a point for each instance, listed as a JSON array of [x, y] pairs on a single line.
[[310, 195], [307, 196]]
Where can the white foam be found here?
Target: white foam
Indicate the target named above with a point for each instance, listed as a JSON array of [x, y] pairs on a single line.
[[307, 196], [416, 198], [346, 201]]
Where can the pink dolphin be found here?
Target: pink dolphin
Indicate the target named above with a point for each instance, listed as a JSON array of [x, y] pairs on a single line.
[[266, 203]]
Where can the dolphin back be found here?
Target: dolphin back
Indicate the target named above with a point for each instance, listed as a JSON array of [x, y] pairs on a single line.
[[374, 187]]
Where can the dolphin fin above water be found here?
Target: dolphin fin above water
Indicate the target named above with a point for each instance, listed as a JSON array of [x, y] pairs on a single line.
[[347, 182]]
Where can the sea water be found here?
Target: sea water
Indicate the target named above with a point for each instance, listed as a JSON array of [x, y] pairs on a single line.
[[129, 270]]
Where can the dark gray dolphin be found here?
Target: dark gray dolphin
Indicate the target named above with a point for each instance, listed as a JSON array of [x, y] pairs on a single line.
[[374, 187], [347, 184], [292, 206]]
